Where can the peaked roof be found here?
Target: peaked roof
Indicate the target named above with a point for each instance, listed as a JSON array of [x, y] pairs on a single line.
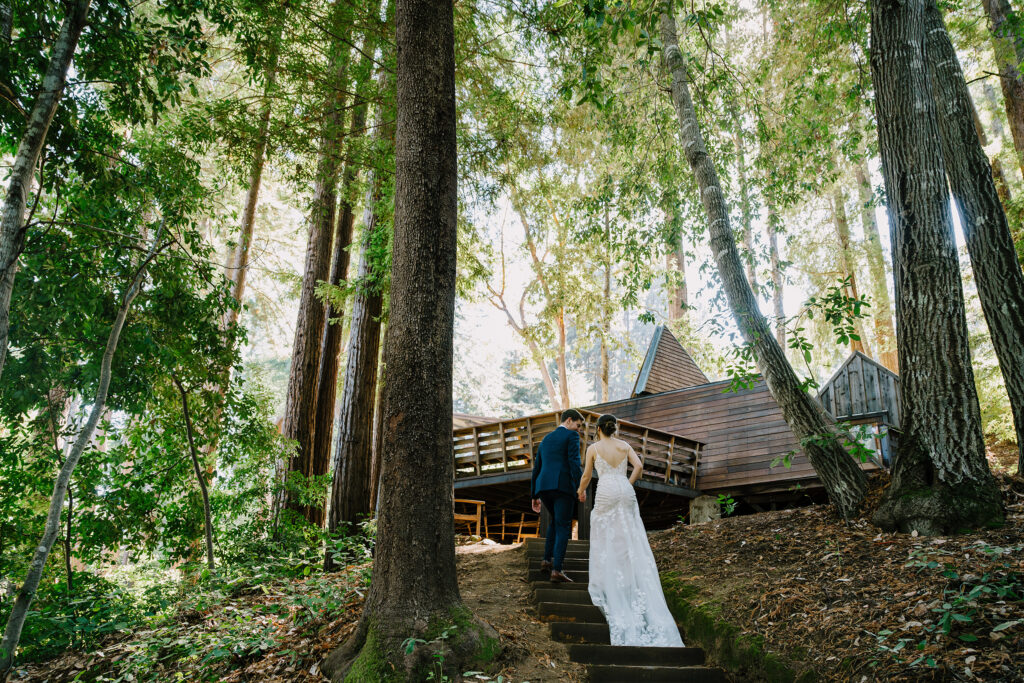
[[667, 366]]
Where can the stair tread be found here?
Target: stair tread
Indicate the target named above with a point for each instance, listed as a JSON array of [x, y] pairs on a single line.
[[626, 673], [573, 597], [536, 584], [635, 655]]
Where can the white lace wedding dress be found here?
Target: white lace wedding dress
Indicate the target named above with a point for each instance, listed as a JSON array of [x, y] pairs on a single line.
[[624, 579]]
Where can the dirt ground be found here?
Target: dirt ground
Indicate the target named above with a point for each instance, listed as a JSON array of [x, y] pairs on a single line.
[[857, 604], [492, 580]]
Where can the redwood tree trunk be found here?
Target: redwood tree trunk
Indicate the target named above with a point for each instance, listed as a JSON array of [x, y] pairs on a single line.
[[881, 304], [327, 378], [200, 475], [1009, 54], [352, 481], [846, 262], [414, 587], [843, 479], [300, 406], [989, 243], [940, 479], [12, 219]]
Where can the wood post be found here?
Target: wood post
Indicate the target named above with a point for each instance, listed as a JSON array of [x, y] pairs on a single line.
[[504, 450]]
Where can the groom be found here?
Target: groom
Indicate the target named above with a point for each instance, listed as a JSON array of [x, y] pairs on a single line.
[[556, 476]]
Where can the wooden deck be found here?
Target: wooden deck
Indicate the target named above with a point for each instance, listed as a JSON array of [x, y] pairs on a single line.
[[494, 463]]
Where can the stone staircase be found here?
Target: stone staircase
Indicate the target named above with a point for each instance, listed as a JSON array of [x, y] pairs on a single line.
[[576, 621]]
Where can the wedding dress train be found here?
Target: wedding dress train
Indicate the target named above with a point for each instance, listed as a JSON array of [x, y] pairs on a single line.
[[624, 580]]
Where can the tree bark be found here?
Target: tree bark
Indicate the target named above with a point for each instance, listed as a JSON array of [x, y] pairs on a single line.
[[352, 481], [1002, 186], [327, 379], [606, 306], [675, 260], [747, 234], [300, 406], [1009, 54], [238, 265], [989, 242], [846, 262], [23, 600], [885, 334], [940, 479], [776, 266], [378, 430], [414, 588], [842, 478], [12, 220], [200, 476]]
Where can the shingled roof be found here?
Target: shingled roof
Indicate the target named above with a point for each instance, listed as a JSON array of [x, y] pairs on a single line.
[[667, 366]]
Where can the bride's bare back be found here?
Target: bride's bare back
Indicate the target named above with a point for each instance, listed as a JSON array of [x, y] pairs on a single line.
[[613, 451]]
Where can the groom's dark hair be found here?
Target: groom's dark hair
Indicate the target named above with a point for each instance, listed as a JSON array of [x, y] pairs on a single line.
[[571, 414]]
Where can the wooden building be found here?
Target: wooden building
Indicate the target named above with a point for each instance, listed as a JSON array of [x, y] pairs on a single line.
[[695, 437]]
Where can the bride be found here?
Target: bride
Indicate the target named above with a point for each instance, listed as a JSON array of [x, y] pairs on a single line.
[[624, 579]]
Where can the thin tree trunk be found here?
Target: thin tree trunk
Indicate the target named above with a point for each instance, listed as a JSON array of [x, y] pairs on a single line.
[[846, 262], [200, 477], [563, 371], [881, 304], [352, 481], [940, 480], [12, 220], [675, 260], [22, 602], [238, 265], [300, 405], [378, 431], [327, 380], [67, 542], [606, 306], [989, 243], [1009, 54], [414, 587], [998, 177], [747, 235], [844, 481], [776, 266]]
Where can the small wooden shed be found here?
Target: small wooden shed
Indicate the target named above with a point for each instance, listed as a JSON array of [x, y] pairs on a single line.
[[865, 392]]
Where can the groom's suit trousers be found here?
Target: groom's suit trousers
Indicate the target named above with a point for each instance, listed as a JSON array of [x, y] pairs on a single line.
[[559, 505]]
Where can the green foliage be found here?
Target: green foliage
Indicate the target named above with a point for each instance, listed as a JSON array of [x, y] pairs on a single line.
[[728, 504]]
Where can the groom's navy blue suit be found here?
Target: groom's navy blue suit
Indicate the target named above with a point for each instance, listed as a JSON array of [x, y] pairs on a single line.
[[556, 477]]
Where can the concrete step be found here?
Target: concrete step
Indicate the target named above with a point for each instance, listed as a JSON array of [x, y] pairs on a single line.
[[636, 656], [603, 673], [571, 632], [568, 565], [573, 597], [576, 576], [546, 584], [562, 611]]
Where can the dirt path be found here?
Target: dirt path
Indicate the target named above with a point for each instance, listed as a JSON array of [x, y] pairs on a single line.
[[492, 579]]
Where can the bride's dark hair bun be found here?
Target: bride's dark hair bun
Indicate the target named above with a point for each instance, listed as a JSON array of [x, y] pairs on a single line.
[[607, 424]]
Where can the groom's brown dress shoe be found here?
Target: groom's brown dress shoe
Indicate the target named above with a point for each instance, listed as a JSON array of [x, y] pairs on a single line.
[[545, 565], [559, 577]]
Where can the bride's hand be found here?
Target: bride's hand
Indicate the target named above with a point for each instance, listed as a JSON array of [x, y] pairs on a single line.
[[581, 496]]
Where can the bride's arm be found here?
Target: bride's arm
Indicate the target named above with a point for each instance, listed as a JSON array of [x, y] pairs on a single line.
[[588, 472], [638, 467]]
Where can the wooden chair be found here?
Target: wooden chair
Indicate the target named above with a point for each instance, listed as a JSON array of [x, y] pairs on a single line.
[[527, 529], [475, 517]]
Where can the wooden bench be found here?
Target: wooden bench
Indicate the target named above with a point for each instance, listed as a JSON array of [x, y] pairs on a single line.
[[475, 517]]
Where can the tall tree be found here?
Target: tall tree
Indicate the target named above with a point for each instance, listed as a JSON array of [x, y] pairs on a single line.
[[775, 262], [746, 209], [414, 586], [846, 259], [843, 479], [940, 479], [881, 304], [989, 242], [327, 377], [12, 218], [1009, 53], [352, 481], [307, 349], [27, 592]]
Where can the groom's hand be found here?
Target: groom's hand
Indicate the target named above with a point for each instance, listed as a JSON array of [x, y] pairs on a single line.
[[536, 505]]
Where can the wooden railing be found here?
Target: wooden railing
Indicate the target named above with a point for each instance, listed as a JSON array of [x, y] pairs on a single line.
[[509, 445]]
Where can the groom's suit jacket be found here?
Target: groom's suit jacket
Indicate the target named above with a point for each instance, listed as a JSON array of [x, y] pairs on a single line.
[[556, 466]]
